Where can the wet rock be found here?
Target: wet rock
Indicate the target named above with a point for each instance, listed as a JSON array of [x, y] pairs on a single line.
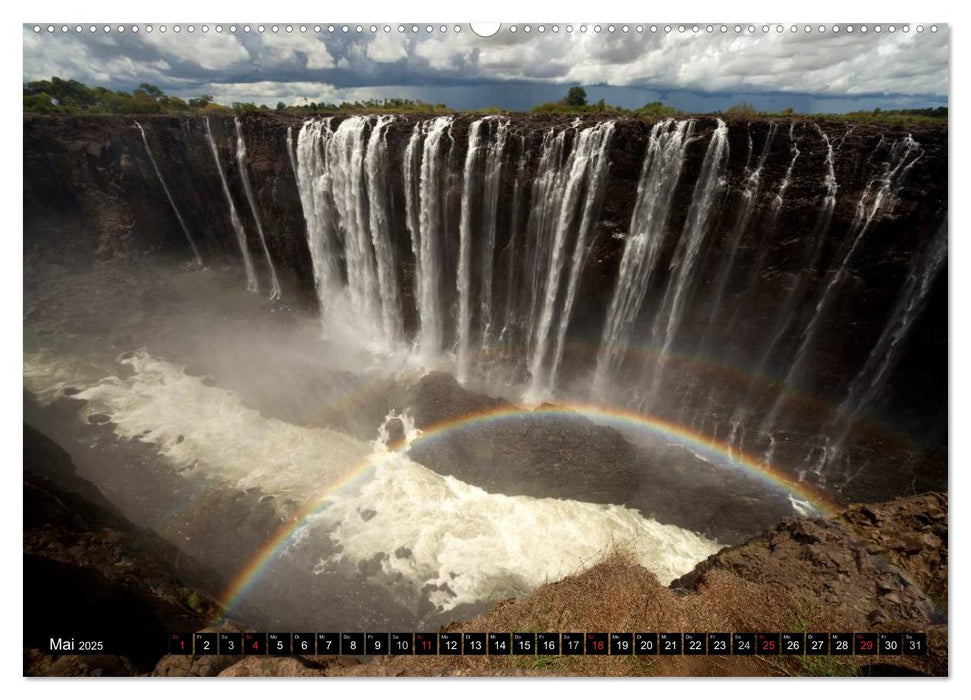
[[396, 432]]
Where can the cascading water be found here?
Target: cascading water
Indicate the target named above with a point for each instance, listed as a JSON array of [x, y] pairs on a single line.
[[866, 386], [810, 258], [577, 196], [513, 252], [345, 193], [518, 275], [346, 150], [659, 177], [248, 188], [470, 184], [252, 284], [316, 198], [511, 270], [750, 194], [780, 195], [412, 183], [479, 220], [539, 235], [377, 165], [490, 219], [168, 195], [431, 224], [879, 193], [709, 185], [290, 157]]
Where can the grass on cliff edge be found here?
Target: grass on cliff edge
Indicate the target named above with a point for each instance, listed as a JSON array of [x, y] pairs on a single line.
[[619, 594]]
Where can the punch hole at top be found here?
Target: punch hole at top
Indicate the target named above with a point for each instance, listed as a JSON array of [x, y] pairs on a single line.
[[485, 29]]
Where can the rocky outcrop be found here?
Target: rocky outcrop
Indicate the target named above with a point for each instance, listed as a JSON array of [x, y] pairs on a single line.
[[859, 571], [847, 573], [87, 569], [878, 565]]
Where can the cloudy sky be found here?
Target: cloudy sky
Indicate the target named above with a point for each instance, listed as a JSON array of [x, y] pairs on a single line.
[[812, 71]]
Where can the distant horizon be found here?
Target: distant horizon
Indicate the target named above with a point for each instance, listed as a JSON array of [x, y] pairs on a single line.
[[556, 98]]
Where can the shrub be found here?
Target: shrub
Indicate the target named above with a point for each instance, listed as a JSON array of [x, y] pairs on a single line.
[[742, 110]]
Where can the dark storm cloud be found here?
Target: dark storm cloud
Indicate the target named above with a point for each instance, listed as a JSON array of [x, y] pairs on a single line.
[[512, 70]]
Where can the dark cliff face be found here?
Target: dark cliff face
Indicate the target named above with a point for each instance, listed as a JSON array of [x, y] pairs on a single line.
[[91, 190], [91, 194]]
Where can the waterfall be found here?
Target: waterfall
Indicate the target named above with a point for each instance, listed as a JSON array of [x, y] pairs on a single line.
[[490, 221], [878, 194], [412, 182], [158, 173], [377, 165], [483, 167], [511, 262], [431, 224], [343, 178], [314, 186], [595, 180], [870, 380], [248, 188], [543, 195], [470, 184], [769, 226], [810, 258], [832, 187], [750, 195], [293, 163], [660, 174], [345, 157], [519, 264], [780, 194], [576, 192], [709, 185], [252, 284]]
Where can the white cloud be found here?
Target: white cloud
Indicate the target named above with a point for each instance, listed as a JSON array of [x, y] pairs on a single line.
[[210, 50], [293, 93], [809, 63], [97, 61], [444, 53], [388, 47], [276, 49], [823, 64]]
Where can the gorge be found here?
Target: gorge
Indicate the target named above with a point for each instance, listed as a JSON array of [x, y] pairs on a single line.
[[643, 318]]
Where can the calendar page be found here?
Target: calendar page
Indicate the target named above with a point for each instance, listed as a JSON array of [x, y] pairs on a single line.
[[450, 349]]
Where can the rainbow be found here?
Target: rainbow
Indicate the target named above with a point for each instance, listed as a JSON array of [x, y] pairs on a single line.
[[756, 468]]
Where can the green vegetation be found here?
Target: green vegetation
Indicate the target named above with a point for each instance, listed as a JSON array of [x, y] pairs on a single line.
[[657, 109], [575, 97], [742, 110], [393, 105], [57, 96], [68, 97], [575, 102], [929, 115]]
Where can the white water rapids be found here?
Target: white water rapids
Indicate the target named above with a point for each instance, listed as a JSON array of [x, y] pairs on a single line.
[[471, 545]]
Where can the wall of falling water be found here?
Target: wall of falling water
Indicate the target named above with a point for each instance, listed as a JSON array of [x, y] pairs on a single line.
[[758, 282]]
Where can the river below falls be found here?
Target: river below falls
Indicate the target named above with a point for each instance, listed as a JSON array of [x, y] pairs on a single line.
[[221, 420]]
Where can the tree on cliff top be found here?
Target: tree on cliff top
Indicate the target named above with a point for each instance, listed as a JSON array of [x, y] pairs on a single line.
[[575, 97]]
